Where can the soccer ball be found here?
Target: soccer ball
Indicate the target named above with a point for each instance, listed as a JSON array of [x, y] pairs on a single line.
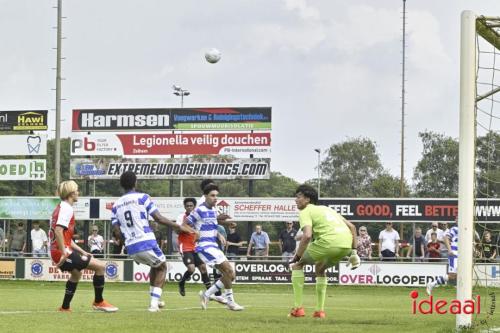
[[213, 55]]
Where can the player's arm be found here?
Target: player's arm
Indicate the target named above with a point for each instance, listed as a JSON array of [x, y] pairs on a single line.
[[222, 239], [75, 246], [352, 228], [170, 223], [448, 245]]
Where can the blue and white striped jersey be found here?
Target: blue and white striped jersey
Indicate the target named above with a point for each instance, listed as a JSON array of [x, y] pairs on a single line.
[[131, 213], [204, 220], [452, 235]]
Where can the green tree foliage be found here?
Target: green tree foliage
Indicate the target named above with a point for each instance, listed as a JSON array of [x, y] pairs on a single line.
[[488, 165], [436, 173], [353, 169]]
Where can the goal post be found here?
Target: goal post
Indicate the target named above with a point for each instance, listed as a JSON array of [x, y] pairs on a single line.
[[466, 161], [475, 30]]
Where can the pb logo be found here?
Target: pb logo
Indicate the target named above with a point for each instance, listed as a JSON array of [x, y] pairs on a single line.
[[111, 270], [85, 145]]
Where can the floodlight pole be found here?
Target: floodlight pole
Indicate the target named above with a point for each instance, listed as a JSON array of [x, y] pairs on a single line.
[[178, 91], [57, 148], [466, 163]]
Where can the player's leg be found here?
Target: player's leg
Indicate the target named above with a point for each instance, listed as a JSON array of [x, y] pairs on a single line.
[[330, 257], [451, 278], [298, 285], [204, 273], [188, 260], [228, 276], [71, 285], [98, 267], [155, 259]]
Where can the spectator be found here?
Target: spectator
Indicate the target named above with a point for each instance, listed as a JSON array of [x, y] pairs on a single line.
[[417, 246], [434, 228], [160, 237], [364, 244], [38, 241], [489, 250], [96, 243], [287, 241], [117, 249], [433, 248], [260, 241], [233, 242], [388, 247], [444, 250], [2, 239], [17, 241]]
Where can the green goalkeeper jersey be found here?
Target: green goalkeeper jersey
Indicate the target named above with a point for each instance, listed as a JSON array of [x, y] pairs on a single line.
[[328, 226]]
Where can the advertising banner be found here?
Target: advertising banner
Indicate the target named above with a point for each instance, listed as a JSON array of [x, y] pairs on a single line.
[[40, 208], [175, 271], [23, 145], [259, 209], [410, 210], [391, 274], [164, 145], [487, 275], [22, 170], [27, 120], [210, 119], [43, 270], [277, 272], [7, 269], [174, 168], [199, 119]]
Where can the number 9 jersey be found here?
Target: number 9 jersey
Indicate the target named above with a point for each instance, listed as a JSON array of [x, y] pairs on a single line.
[[131, 213]]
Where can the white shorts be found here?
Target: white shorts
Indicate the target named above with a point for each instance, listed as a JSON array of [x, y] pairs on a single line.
[[152, 258], [211, 255], [452, 264]]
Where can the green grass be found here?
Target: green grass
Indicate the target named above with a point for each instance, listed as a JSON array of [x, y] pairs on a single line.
[[29, 306]]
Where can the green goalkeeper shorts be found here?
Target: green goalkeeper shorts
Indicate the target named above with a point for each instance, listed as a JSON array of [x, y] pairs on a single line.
[[328, 256]]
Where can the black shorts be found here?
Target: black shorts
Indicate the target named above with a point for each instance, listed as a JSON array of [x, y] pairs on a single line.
[[190, 258], [75, 261]]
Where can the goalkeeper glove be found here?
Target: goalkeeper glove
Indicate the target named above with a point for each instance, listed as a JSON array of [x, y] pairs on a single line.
[[354, 260]]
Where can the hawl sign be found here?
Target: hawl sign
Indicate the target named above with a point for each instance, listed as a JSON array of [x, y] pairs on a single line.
[[442, 306]]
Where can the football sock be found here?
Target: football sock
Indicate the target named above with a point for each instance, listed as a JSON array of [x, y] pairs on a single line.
[[217, 286], [321, 284], [206, 280], [155, 296], [228, 293], [440, 280], [68, 294], [186, 277], [98, 281], [298, 286]]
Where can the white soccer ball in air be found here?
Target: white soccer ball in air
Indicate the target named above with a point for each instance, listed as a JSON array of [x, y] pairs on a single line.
[[213, 55]]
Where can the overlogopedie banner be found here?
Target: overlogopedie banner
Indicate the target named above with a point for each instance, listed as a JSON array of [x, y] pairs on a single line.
[[173, 168], [161, 145]]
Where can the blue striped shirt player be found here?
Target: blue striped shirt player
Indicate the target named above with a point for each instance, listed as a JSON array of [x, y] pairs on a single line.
[[205, 220], [130, 219], [451, 242]]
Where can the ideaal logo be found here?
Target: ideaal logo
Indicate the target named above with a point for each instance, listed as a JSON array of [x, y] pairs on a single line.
[[36, 268], [441, 306], [111, 270]]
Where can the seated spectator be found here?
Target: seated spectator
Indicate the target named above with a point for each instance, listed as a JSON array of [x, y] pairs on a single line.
[[287, 241], [417, 246], [38, 241], [489, 250], [17, 241], [260, 241], [233, 242], [433, 248], [364, 244], [96, 243], [388, 248]]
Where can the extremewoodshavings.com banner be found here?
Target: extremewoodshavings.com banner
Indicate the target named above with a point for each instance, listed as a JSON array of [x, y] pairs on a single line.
[[174, 168]]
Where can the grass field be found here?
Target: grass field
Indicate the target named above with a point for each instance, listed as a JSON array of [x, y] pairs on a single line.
[[31, 307]]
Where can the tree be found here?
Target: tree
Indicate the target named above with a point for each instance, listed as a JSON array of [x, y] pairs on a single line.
[[350, 168], [436, 173], [488, 165]]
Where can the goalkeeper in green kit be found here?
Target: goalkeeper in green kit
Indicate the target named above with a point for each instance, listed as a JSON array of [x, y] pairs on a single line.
[[327, 238]]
